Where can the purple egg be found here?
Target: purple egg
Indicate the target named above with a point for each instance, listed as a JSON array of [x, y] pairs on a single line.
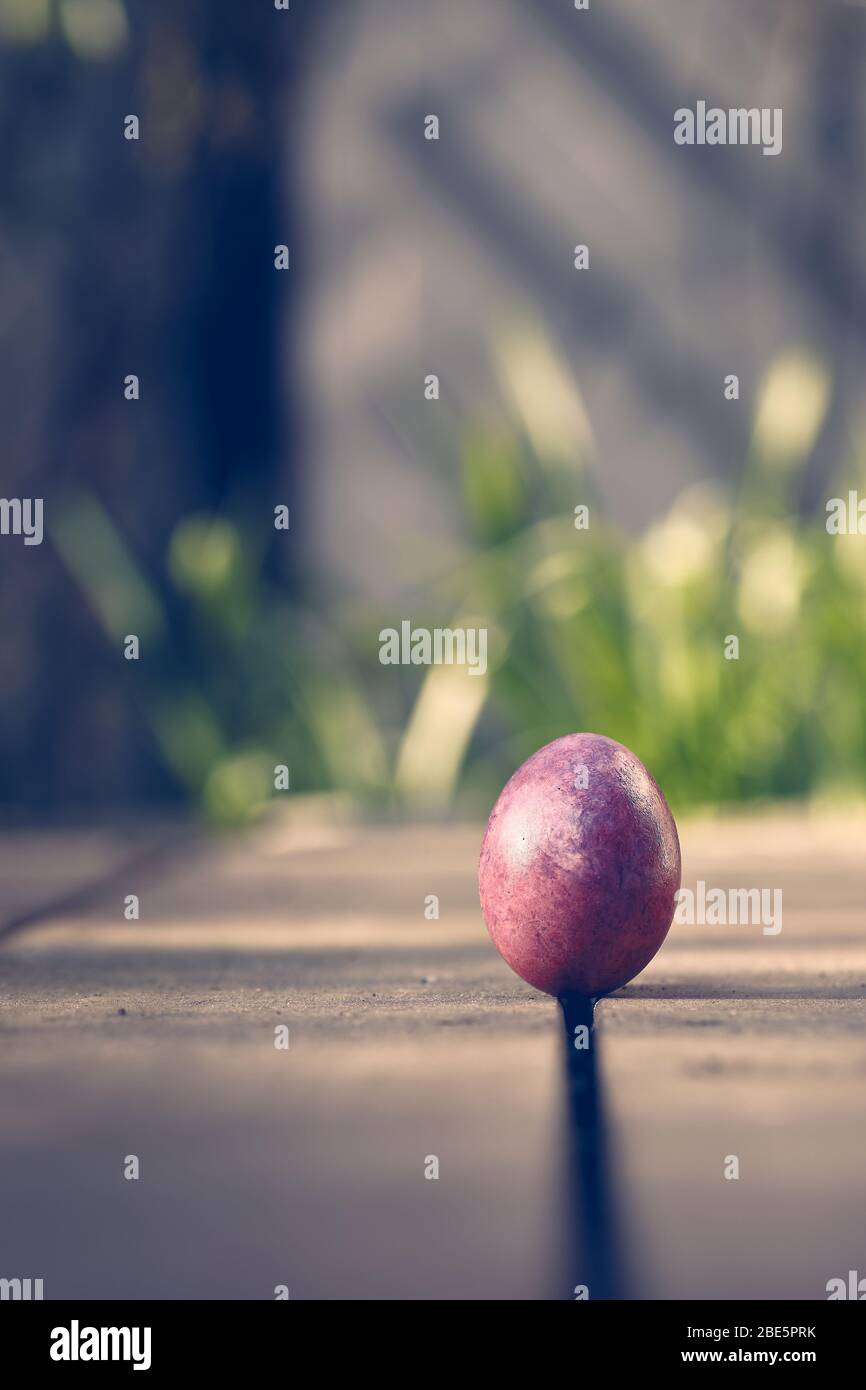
[[580, 866]]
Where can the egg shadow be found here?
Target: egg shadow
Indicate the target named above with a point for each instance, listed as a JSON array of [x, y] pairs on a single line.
[[592, 1247]]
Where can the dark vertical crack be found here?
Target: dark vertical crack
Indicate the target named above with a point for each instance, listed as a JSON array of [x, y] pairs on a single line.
[[592, 1245]]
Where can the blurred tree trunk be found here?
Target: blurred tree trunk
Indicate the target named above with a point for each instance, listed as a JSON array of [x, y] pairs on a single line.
[[155, 258], [832, 232]]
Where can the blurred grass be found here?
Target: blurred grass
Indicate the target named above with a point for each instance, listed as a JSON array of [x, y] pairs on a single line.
[[588, 628], [95, 30]]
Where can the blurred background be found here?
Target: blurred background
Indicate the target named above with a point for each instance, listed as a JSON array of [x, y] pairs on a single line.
[[558, 388]]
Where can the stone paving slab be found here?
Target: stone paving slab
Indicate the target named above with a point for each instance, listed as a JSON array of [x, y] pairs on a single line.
[[410, 1038]]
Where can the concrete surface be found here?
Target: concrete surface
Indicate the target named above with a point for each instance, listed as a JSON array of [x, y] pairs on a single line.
[[410, 1038]]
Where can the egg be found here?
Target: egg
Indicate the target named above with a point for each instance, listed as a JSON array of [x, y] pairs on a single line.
[[580, 867]]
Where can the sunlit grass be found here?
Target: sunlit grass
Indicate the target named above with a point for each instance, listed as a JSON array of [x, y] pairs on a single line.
[[588, 628]]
